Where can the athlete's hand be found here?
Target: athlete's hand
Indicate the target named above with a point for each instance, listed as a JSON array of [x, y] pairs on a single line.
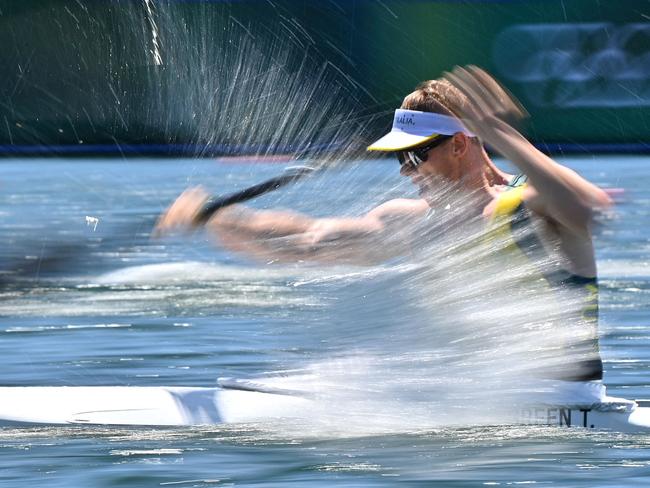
[[554, 191], [492, 109], [180, 216]]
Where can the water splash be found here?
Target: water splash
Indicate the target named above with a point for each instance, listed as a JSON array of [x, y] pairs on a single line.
[[155, 40], [465, 333], [240, 85], [455, 335]]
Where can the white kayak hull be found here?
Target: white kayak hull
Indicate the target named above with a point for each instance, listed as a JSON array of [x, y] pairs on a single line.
[[142, 405], [239, 403]]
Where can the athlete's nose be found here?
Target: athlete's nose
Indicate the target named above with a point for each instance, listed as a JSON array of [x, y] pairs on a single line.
[[407, 169]]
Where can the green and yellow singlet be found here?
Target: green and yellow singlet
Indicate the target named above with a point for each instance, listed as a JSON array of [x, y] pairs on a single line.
[[511, 224]]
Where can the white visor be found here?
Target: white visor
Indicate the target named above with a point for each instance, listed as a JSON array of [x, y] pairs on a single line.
[[412, 128]]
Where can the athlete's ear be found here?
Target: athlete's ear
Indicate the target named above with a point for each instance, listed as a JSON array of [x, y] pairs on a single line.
[[460, 144]]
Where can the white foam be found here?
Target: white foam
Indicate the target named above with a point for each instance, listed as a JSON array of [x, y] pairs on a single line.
[[189, 272], [623, 268]]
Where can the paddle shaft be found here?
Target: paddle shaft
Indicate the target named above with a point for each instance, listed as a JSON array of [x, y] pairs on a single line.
[[217, 203]]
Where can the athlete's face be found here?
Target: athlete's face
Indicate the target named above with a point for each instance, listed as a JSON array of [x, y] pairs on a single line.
[[438, 166]]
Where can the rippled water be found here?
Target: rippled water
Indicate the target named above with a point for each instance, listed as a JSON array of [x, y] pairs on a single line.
[[106, 306]]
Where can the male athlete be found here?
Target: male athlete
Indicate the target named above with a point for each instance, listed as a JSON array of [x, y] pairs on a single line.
[[438, 135], [291, 236]]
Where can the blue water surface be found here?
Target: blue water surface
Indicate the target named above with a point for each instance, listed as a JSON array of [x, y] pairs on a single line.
[[105, 305]]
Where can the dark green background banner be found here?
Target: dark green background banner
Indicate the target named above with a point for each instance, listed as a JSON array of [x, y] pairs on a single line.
[[105, 75]]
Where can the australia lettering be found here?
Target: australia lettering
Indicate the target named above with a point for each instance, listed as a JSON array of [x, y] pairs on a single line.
[[404, 120]]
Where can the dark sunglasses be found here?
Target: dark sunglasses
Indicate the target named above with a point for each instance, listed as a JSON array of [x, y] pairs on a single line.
[[418, 155]]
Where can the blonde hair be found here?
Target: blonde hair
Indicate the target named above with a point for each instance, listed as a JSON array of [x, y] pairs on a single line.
[[437, 96]]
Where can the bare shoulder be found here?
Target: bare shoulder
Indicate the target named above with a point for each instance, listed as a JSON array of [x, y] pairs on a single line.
[[400, 207]]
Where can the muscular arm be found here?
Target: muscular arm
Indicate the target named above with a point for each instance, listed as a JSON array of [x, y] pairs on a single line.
[[291, 236], [555, 192]]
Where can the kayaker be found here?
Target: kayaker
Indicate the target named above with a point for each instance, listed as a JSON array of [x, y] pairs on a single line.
[[548, 220], [433, 147], [281, 235]]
